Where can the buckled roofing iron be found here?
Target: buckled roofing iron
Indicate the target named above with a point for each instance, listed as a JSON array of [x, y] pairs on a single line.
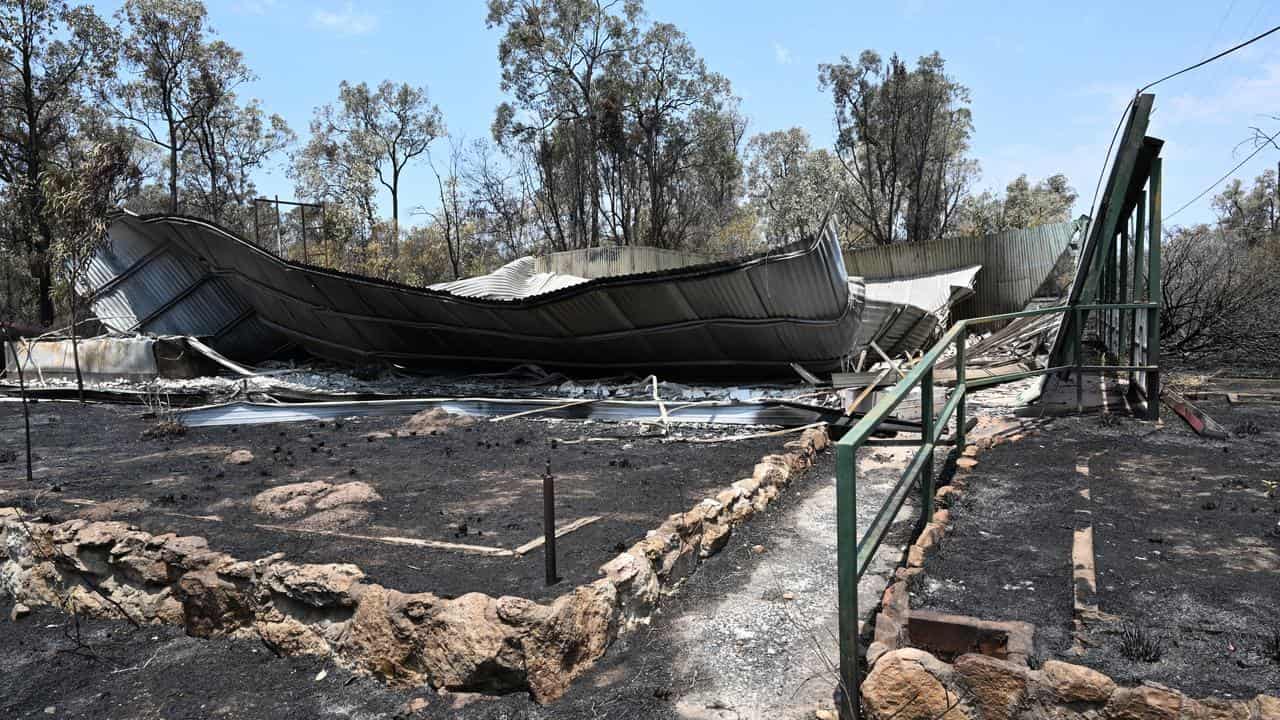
[[752, 316]]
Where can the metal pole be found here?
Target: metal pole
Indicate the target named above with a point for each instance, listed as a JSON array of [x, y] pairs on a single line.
[[1155, 294], [279, 233], [960, 386], [1132, 278], [302, 208], [549, 523], [1077, 330], [926, 437], [847, 578]]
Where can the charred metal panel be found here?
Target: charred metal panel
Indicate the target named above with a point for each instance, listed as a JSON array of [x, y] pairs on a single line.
[[751, 316]]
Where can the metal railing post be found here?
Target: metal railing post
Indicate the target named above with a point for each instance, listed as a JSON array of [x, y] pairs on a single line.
[[960, 386], [1155, 294], [926, 438], [1077, 353], [847, 577]]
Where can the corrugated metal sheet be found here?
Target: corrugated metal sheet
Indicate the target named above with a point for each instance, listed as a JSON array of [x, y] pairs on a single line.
[[517, 279], [1014, 264], [135, 358], [935, 293], [141, 282], [751, 316], [615, 260]]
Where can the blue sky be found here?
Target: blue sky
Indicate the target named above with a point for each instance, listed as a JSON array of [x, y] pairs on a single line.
[[1048, 79]]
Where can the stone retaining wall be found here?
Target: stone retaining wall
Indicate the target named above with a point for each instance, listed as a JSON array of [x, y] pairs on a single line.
[[908, 683], [473, 642]]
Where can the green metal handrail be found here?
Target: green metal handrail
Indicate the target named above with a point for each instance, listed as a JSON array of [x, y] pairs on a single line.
[[854, 554]]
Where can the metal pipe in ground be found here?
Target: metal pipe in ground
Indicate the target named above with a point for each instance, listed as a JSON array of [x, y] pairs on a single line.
[[549, 524]]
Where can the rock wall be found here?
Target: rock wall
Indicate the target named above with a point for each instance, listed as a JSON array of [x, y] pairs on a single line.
[[907, 683], [910, 684], [473, 642]]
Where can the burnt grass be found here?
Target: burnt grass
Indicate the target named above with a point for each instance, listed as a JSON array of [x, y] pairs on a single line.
[[478, 485], [1186, 545], [112, 670]]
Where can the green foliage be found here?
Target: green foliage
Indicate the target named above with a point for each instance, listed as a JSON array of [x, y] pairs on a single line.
[[1024, 205], [902, 136], [629, 137]]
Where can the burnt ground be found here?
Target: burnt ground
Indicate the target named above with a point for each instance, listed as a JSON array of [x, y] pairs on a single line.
[[477, 485], [1186, 536], [729, 644]]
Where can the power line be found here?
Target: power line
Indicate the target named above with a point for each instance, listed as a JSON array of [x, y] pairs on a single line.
[[1206, 61], [1107, 158], [1262, 145]]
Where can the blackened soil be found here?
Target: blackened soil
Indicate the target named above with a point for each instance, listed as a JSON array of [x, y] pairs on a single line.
[[480, 485], [1187, 541], [1007, 555], [1187, 546], [117, 672], [109, 670]]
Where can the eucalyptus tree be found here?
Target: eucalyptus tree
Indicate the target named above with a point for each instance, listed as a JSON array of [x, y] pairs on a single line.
[[79, 200], [163, 97], [792, 186], [902, 135], [51, 54], [554, 56], [372, 133]]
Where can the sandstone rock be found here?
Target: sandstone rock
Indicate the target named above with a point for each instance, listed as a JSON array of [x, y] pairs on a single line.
[[352, 493], [636, 586], [998, 686], [1076, 683], [212, 606], [581, 627], [909, 684], [714, 537], [318, 586], [1215, 709], [1145, 702], [436, 420], [373, 642], [292, 500], [1268, 707], [915, 556], [416, 706], [238, 457], [464, 644]]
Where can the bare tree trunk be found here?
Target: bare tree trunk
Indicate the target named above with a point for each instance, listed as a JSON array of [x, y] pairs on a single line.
[[26, 412]]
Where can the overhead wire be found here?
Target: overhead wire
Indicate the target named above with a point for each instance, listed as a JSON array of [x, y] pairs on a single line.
[[1125, 113], [1262, 144]]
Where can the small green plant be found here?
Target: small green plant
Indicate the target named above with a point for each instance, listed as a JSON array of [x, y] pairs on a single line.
[[1139, 644]]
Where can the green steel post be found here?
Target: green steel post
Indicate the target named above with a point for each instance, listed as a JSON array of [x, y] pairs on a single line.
[[1155, 295], [1078, 355], [1122, 296], [960, 386], [926, 438], [1135, 288], [847, 576]]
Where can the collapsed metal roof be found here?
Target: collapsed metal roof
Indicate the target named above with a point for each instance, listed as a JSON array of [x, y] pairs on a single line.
[[751, 316], [1014, 263], [755, 315]]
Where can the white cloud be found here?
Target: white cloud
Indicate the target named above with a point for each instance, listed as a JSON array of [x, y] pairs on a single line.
[[347, 21], [781, 54], [254, 7]]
